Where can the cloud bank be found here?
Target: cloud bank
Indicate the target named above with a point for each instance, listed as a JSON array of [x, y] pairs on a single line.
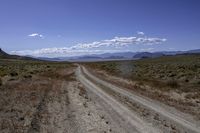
[[115, 44], [120, 42]]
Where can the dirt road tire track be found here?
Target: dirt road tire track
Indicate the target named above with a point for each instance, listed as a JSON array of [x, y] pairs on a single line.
[[136, 124], [35, 123], [183, 124]]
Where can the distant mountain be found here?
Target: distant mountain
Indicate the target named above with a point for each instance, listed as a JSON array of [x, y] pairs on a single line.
[[49, 59], [196, 51], [101, 57], [115, 57], [120, 56], [148, 55], [89, 57], [164, 53], [4, 55]]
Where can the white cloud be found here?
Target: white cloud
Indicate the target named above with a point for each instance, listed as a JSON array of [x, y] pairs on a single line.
[[36, 35], [140, 33], [120, 42], [115, 44]]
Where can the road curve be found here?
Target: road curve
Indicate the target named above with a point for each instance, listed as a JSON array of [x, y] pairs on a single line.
[[181, 123]]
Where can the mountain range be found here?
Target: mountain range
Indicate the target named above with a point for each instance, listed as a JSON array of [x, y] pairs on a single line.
[[102, 57], [123, 55]]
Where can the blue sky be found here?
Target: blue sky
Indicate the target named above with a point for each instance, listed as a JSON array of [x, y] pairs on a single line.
[[75, 27]]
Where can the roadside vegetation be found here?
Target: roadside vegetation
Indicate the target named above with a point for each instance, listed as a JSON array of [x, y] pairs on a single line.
[[170, 72], [174, 80], [15, 69], [26, 88]]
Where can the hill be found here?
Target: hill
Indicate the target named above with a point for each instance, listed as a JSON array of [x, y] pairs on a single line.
[[4, 55]]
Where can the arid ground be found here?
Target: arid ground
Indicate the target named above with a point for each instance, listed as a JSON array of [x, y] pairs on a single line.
[[103, 97]]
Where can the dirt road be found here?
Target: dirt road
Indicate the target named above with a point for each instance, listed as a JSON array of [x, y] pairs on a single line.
[[55, 104], [72, 100], [155, 117]]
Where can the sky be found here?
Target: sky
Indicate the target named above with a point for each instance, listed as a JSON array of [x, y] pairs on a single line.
[[53, 28]]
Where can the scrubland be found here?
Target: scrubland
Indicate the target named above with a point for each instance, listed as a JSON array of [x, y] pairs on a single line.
[[173, 80]]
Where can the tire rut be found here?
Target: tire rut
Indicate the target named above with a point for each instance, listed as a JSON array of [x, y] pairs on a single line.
[[129, 118], [35, 123], [167, 124]]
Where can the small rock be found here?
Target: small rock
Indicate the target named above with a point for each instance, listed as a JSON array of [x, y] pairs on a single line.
[[102, 117], [89, 114]]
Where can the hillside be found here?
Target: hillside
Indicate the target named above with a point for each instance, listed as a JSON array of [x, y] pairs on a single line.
[[4, 55]]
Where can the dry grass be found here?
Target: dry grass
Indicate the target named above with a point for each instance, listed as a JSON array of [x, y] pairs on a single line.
[[173, 80], [170, 72], [20, 68], [24, 98]]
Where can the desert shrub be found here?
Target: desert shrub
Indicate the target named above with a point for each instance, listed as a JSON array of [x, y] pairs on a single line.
[[11, 79], [172, 83], [13, 74], [188, 96], [140, 83], [1, 82], [172, 75], [157, 83], [186, 80], [27, 76], [192, 96], [31, 72]]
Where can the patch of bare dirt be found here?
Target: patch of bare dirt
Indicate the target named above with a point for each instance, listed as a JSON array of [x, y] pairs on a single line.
[[36, 104]]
